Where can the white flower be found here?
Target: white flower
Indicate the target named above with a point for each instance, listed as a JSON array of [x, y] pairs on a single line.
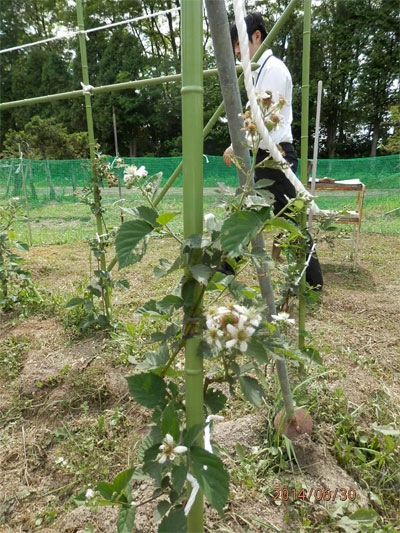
[[284, 318], [239, 334], [89, 494], [214, 335], [141, 172], [129, 176], [168, 450]]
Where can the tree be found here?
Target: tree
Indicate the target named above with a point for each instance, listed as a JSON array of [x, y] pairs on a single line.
[[46, 139]]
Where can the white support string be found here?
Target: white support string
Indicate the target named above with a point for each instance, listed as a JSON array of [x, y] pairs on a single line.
[[68, 34], [240, 13]]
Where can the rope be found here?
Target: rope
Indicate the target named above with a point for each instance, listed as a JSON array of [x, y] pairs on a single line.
[[66, 34], [240, 13]]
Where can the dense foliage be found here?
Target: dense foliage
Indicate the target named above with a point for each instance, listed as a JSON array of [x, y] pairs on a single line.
[[355, 52]]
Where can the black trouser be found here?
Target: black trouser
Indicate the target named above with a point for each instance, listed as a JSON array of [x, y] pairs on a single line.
[[282, 188]]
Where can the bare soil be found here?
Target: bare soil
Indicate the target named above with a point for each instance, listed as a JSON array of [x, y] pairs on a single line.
[[356, 327]]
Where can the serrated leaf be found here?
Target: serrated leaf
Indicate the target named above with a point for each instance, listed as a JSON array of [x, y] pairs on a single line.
[[147, 389], [261, 184], [147, 213], [178, 477], [170, 422], [128, 237], [122, 480], [74, 302], [155, 359], [251, 389], [201, 273], [126, 519], [283, 223], [166, 267], [213, 480], [105, 489], [161, 509], [164, 218], [174, 522], [238, 230], [215, 400], [257, 350]]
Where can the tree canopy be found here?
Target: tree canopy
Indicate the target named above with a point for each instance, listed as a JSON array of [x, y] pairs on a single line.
[[355, 52]]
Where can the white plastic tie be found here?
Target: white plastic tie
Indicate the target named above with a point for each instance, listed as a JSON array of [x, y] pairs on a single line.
[[87, 89], [306, 264], [195, 489], [207, 432]]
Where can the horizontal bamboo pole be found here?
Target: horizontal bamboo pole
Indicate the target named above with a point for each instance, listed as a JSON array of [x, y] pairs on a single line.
[[105, 88]]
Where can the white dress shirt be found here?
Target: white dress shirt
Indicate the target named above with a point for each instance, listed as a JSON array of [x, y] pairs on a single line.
[[274, 76]]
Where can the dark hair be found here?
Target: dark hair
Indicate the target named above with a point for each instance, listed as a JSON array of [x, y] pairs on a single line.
[[254, 22]]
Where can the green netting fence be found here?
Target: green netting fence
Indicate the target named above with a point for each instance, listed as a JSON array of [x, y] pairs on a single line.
[[54, 178]]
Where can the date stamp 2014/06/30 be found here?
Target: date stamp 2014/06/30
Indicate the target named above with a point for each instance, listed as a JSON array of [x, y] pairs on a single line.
[[314, 494]]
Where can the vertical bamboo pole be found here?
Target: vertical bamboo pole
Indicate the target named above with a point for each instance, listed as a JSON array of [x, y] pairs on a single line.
[[192, 148], [28, 220], [89, 120], [304, 155], [121, 213]]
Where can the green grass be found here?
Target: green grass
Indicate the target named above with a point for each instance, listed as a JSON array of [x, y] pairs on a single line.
[[65, 220]]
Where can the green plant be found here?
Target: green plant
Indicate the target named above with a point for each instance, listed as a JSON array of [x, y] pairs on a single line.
[[16, 287], [12, 350]]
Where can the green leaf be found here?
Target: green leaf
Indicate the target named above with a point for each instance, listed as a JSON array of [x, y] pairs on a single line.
[[155, 359], [128, 237], [257, 350], [166, 267], [170, 422], [238, 230], [175, 522], [251, 389], [164, 218], [283, 223], [214, 480], [126, 519], [214, 400], [122, 480], [178, 477], [313, 354], [365, 516], [386, 430], [74, 302], [161, 509], [105, 489], [147, 389], [201, 273], [147, 213]]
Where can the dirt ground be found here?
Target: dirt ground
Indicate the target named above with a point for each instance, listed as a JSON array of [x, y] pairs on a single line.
[[356, 327]]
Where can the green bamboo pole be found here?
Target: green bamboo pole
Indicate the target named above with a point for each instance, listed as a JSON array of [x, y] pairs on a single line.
[[304, 156], [192, 149], [89, 120], [137, 84], [28, 220], [218, 112]]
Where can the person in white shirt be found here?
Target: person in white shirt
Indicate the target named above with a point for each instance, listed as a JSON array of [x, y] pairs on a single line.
[[273, 76]]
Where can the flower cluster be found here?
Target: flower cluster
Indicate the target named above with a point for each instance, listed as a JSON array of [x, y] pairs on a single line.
[[132, 173], [270, 111], [231, 327]]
